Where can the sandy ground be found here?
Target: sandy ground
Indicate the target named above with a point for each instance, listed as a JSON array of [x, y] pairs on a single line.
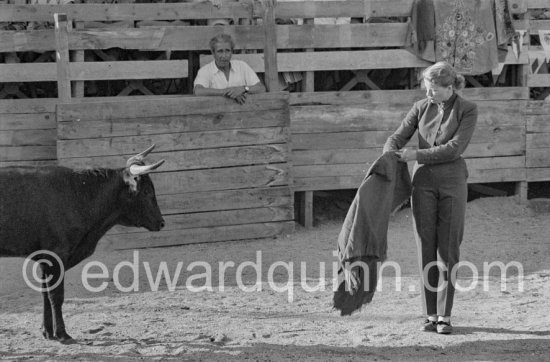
[[494, 320]]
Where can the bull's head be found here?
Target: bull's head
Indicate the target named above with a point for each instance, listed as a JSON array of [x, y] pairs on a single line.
[[141, 203]]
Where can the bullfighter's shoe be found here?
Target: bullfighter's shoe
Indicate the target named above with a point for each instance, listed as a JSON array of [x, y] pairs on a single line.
[[444, 327], [429, 326]]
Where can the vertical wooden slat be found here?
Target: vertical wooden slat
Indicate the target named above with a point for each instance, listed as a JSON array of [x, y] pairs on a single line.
[[78, 56], [62, 57], [306, 199], [307, 83], [270, 47]]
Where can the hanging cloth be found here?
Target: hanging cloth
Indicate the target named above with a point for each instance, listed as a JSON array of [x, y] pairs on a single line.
[[465, 33]]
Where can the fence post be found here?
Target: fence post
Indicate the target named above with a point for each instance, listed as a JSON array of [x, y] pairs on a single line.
[[270, 48], [62, 57]]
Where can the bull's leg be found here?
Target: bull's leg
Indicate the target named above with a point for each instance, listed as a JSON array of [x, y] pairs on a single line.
[[47, 323], [56, 296]]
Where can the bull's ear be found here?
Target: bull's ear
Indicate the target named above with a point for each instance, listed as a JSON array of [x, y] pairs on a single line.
[[130, 180]]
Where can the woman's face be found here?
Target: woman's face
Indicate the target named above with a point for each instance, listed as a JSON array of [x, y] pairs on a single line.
[[437, 93]]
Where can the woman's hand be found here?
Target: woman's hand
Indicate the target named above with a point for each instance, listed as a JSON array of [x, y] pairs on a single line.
[[406, 155]]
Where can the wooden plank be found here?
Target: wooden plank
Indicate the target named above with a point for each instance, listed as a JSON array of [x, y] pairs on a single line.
[[28, 72], [224, 200], [336, 60], [151, 69], [496, 175], [306, 209], [39, 163], [493, 149], [382, 116], [118, 12], [62, 28], [402, 96], [536, 4], [538, 80], [536, 25], [359, 169], [27, 121], [198, 235], [246, 37], [322, 171], [369, 35], [231, 178], [195, 159], [167, 106], [327, 183], [329, 140], [271, 76], [366, 59], [368, 139], [538, 140], [476, 176], [180, 38], [170, 142], [27, 153], [368, 117], [323, 9], [334, 156], [28, 138], [538, 123], [204, 10], [27, 106], [183, 222], [495, 162], [20, 41], [539, 157], [170, 124], [538, 174], [537, 108]]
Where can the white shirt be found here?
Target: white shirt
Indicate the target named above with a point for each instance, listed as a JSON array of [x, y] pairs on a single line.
[[210, 76]]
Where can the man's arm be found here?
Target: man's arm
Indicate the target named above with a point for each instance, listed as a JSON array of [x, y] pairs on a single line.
[[201, 90], [257, 88]]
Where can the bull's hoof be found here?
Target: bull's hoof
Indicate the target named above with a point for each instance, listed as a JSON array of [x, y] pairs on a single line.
[[48, 334], [64, 338]]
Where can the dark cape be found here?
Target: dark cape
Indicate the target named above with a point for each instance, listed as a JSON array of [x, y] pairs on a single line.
[[363, 238]]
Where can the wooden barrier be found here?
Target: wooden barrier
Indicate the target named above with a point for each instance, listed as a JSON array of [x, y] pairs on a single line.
[[227, 174], [27, 132], [336, 136], [538, 141]]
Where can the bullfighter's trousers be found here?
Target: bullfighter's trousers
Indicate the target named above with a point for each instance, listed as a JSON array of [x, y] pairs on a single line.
[[439, 197]]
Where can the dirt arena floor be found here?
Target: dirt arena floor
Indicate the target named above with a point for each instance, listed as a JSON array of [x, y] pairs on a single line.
[[496, 317]]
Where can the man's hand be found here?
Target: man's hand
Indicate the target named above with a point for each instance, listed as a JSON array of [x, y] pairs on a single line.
[[238, 94]]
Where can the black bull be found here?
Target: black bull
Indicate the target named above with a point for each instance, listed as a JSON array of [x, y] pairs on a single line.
[[66, 212]]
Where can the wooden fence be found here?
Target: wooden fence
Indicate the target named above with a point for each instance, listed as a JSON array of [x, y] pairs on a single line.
[[333, 134], [27, 132], [227, 172]]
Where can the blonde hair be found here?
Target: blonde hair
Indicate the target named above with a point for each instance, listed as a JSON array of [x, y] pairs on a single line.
[[443, 74]]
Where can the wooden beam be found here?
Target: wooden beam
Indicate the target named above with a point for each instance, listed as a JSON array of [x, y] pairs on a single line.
[[205, 10], [80, 70], [270, 48], [197, 235], [62, 57]]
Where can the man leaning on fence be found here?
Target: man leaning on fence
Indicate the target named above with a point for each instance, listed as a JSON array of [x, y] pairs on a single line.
[[225, 77]]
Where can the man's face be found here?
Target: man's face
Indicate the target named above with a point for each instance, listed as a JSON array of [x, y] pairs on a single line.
[[222, 54]]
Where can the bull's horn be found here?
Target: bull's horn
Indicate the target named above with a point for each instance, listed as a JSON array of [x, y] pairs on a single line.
[[137, 170], [139, 157]]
